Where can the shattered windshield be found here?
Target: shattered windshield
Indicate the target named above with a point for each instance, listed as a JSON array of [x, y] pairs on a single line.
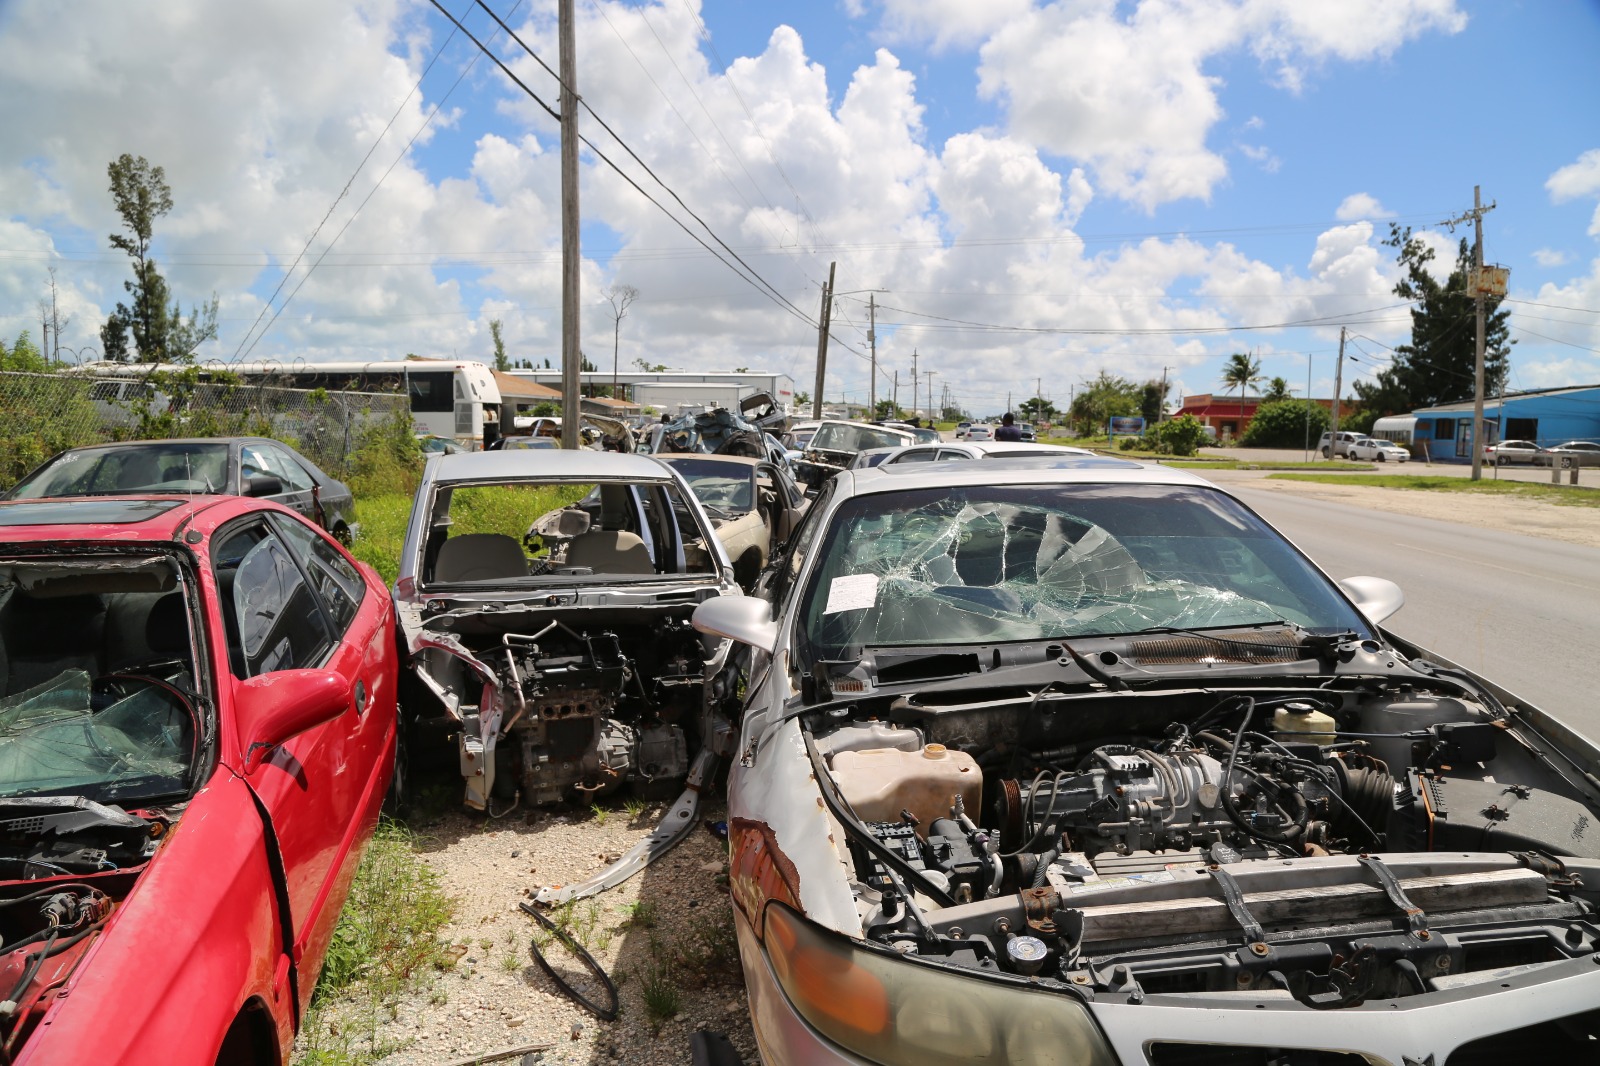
[[979, 564], [165, 466], [844, 437], [727, 487], [95, 675]]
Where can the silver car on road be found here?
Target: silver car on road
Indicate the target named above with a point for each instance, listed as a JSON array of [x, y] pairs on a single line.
[[1079, 761]]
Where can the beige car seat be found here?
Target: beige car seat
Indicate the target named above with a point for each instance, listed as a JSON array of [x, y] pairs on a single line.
[[480, 557], [610, 552]]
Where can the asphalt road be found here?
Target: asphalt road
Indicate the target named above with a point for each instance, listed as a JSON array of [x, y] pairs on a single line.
[[1522, 611]]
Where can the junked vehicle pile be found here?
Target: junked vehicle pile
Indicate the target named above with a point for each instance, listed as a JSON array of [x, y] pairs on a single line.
[[1076, 760]]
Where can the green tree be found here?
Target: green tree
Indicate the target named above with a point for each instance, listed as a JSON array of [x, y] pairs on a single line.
[[1277, 391], [1099, 400], [952, 414], [650, 368], [1240, 372], [501, 362], [1037, 409], [1283, 424], [802, 399], [158, 333], [23, 355], [1153, 399], [887, 410], [1437, 366], [1178, 436]]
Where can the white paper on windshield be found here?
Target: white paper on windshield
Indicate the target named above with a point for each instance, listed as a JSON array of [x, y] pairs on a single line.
[[853, 593]]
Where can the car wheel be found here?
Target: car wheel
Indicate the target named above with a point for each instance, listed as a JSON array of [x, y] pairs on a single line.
[[397, 801], [1499, 460], [1380, 458], [1325, 453]]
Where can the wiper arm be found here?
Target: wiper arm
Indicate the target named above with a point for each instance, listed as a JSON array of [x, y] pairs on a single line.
[[1095, 670]]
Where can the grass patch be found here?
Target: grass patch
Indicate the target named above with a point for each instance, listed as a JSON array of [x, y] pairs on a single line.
[[381, 533], [1323, 465], [387, 942], [1562, 495]]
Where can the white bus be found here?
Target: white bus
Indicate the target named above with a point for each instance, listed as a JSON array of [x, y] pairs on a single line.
[[449, 398]]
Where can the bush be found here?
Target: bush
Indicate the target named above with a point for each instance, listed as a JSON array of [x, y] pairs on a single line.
[[1283, 425], [387, 459], [1178, 436]]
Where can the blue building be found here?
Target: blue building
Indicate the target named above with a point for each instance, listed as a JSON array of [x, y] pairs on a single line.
[[1545, 416]]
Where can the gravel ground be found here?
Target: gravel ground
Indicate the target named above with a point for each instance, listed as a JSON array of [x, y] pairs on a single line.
[[496, 997]]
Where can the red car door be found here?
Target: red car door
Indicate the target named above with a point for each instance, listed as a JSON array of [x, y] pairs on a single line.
[[292, 599]]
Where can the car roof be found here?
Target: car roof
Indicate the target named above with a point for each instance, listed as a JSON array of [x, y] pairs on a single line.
[[1068, 469], [132, 518], [558, 464], [732, 460]]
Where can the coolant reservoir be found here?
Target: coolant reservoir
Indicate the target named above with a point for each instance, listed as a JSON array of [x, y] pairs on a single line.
[[1302, 722], [882, 782]]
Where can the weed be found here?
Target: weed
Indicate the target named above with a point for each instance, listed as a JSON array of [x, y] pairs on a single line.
[[599, 813], [510, 963], [659, 986], [636, 807], [640, 915]]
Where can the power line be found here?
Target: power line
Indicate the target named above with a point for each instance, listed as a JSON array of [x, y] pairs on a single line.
[[353, 215]]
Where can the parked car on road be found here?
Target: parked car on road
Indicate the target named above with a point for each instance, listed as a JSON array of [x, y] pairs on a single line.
[[961, 430], [980, 432], [1028, 434], [753, 504], [1335, 444], [198, 706], [258, 467], [1515, 451], [984, 449], [1382, 451], [1578, 452], [1077, 760]]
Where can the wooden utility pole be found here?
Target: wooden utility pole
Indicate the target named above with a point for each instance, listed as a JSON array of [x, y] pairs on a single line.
[[928, 390], [1338, 387], [571, 353], [895, 402], [1477, 353], [913, 383], [872, 344], [822, 342]]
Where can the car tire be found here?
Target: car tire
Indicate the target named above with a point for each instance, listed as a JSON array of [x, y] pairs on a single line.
[[1380, 458], [1325, 454], [1499, 460]]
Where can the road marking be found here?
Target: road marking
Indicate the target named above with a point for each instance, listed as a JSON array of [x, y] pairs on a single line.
[[1508, 569]]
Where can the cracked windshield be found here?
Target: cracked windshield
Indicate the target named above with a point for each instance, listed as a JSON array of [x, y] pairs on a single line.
[[1039, 562], [95, 679]]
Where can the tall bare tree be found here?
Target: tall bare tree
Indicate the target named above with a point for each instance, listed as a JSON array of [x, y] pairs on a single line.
[[620, 297]]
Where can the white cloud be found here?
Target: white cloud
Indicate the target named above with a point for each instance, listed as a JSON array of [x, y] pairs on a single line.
[[1580, 179], [1550, 257], [1128, 90], [1359, 206], [948, 24], [1262, 156]]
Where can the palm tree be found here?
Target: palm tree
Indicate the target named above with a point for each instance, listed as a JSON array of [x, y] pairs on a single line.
[[1277, 391], [1241, 371]]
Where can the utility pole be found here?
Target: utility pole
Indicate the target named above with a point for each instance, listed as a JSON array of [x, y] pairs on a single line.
[[822, 341], [1338, 387], [872, 343], [1477, 353], [928, 391], [913, 382], [571, 357], [1161, 408], [895, 402]]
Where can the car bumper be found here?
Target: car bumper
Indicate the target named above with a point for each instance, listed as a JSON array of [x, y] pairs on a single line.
[[1425, 1028]]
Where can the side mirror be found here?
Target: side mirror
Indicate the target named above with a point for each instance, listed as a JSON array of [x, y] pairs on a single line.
[[272, 708], [745, 619], [262, 485], [1376, 597]]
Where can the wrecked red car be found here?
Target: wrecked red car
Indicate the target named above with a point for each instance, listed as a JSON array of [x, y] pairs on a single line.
[[197, 711]]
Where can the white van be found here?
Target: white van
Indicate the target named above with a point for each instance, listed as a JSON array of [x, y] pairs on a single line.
[[1333, 444]]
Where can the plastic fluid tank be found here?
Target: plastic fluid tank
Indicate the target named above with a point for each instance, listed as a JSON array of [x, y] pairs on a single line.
[[1304, 723], [882, 782]]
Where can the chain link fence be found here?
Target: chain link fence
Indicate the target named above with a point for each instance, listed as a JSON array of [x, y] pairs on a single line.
[[40, 414]]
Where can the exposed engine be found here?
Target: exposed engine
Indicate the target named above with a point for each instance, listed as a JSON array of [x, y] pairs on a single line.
[[562, 712], [1270, 840]]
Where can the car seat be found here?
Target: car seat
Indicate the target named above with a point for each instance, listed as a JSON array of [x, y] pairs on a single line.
[[480, 557], [610, 552]]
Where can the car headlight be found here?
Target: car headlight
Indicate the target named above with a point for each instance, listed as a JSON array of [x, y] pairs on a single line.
[[894, 1011]]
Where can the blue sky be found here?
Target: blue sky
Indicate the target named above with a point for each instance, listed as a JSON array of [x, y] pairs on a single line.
[[1131, 169]]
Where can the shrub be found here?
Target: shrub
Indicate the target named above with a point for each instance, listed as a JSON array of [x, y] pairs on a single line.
[[1179, 436], [1283, 425]]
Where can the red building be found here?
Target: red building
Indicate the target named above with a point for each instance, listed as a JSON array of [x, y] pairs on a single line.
[[1230, 415]]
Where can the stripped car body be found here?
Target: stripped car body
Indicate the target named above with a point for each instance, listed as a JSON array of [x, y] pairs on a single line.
[[1080, 761], [754, 504], [197, 721], [835, 445], [552, 639]]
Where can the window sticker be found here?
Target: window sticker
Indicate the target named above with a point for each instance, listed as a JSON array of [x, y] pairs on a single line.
[[853, 593]]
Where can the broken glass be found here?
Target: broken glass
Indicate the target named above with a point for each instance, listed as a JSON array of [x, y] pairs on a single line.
[[977, 564], [69, 735]]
